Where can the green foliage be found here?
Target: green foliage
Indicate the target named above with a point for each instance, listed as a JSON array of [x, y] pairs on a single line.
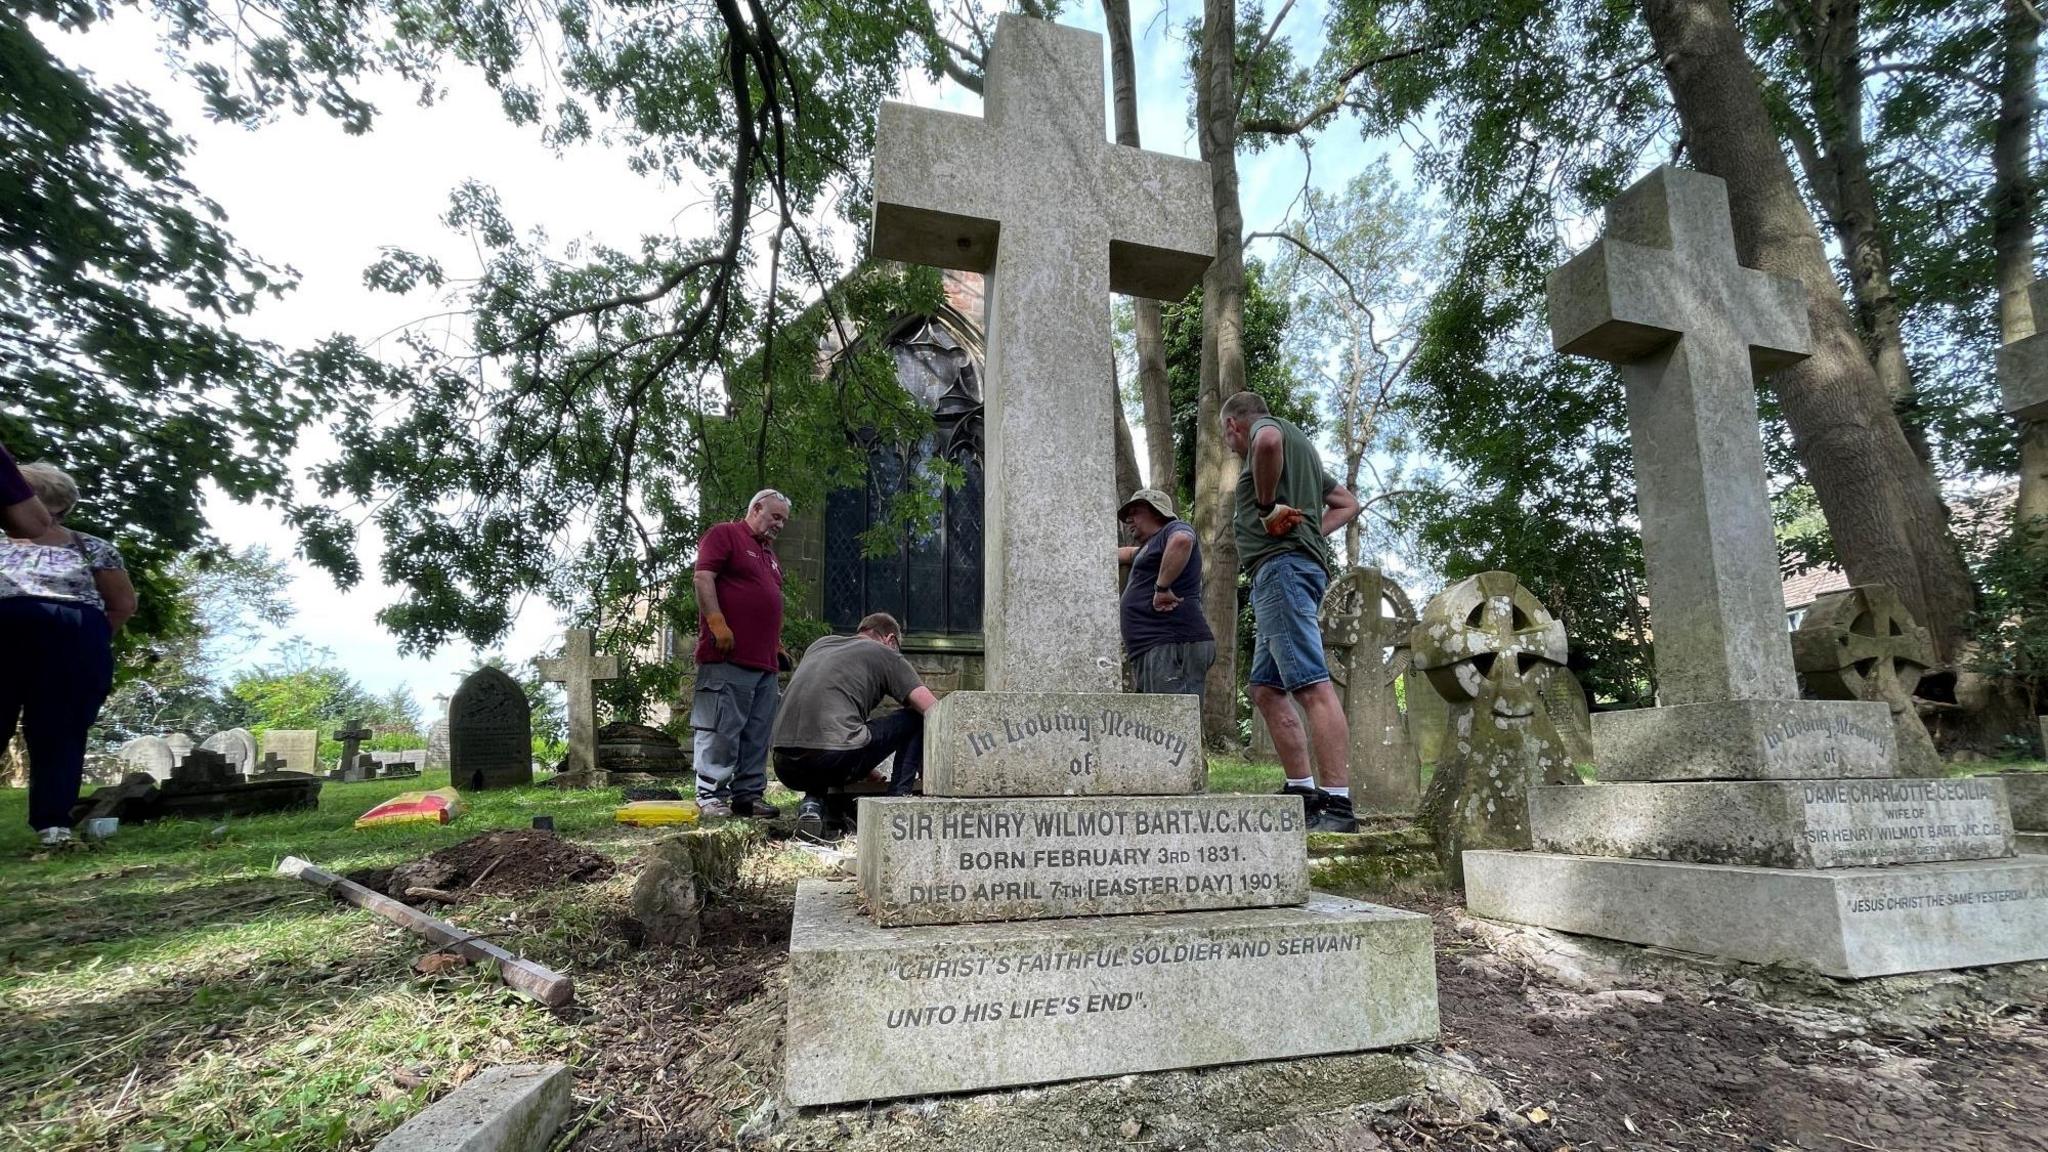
[[304, 690], [2010, 629], [119, 296], [1540, 481], [1270, 370]]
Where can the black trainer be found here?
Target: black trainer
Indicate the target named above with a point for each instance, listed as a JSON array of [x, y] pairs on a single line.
[[1312, 799], [1334, 815], [811, 821]]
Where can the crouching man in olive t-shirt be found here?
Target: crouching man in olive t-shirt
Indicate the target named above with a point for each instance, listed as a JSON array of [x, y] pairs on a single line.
[[823, 737]]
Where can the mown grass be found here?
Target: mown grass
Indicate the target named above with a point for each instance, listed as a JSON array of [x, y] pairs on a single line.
[[165, 990]]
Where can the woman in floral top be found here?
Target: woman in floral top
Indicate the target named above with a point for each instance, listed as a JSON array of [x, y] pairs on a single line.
[[61, 596]]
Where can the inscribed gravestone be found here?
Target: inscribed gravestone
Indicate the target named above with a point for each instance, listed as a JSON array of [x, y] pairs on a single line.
[[1052, 754], [577, 669], [1753, 811], [300, 748], [237, 745], [1861, 644], [437, 744], [149, 754], [1366, 620], [1035, 196], [490, 732]]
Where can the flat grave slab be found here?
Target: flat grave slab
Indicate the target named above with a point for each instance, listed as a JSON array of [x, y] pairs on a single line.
[[1847, 922], [1745, 740], [1778, 823], [877, 1013], [937, 860], [1064, 744]]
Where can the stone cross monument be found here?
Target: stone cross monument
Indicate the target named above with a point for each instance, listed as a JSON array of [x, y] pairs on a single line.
[[1736, 819], [351, 737], [991, 939], [1034, 196], [577, 669], [1862, 644]]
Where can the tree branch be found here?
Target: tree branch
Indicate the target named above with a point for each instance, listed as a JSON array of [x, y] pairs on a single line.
[[1274, 126]]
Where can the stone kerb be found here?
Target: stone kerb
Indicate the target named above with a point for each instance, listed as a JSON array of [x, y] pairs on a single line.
[[1064, 744], [1779, 823], [914, 1011], [927, 860]]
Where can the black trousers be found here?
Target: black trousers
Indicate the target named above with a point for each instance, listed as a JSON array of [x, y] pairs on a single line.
[[813, 770], [58, 670]]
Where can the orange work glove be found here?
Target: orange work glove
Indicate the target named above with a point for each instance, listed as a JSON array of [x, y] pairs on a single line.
[[721, 633], [1282, 519]]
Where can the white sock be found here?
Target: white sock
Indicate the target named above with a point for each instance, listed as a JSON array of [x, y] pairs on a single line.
[[1344, 792], [1305, 784]]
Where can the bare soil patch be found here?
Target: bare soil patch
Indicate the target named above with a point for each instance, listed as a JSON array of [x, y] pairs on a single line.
[[505, 863]]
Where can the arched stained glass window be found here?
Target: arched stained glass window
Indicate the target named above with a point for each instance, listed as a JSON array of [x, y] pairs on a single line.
[[932, 580]]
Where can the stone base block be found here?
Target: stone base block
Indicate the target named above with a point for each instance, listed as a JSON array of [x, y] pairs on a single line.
[[1746, 740], [1777, 823], [2030, 843], [2027, 793], [1850, 922], [876, 1013], [937, 860], [1064, 744]]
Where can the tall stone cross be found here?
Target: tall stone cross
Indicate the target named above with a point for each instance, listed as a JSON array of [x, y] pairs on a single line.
[[2023, 363], [576, 669], [351, 737], [1662, 295], [1034, 195]]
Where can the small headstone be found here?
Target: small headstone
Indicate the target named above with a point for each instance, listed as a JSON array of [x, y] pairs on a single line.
[[181, 746], [237, 745], [1488, 646], [149, 754], [351, 737], [490, 732], [1564, 700], [363, 767], [577, 669], [1862, 644], [437, 744], [300, 748]]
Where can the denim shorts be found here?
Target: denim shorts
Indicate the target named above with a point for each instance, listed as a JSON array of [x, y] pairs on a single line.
[[1287, 644]]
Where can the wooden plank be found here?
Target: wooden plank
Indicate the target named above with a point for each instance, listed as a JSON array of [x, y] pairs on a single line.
[[543, 984]]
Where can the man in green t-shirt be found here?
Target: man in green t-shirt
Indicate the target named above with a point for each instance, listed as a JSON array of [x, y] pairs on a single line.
[[1287, 503]]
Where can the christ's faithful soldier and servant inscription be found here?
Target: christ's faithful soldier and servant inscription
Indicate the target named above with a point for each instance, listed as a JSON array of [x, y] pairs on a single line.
[[1065, 901]]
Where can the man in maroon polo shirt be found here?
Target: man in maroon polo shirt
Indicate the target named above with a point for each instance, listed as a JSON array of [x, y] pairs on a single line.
[[739, 633]]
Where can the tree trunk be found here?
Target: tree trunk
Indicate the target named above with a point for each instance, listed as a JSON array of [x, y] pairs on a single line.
[[1882, 506], [1839, 172], [2012, 229], [1152, 385], [1222, 363], [1127, 478]]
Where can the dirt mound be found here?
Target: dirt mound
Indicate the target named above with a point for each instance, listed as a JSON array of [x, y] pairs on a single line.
[[510, 863]]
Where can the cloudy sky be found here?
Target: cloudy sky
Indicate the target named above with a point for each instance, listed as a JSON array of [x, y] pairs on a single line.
[[301, 192]]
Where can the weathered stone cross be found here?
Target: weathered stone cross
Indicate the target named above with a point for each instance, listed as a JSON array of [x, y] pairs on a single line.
[[2023, 364], [1663, 296], [1036, 196], [576, 669], [350, 738]]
